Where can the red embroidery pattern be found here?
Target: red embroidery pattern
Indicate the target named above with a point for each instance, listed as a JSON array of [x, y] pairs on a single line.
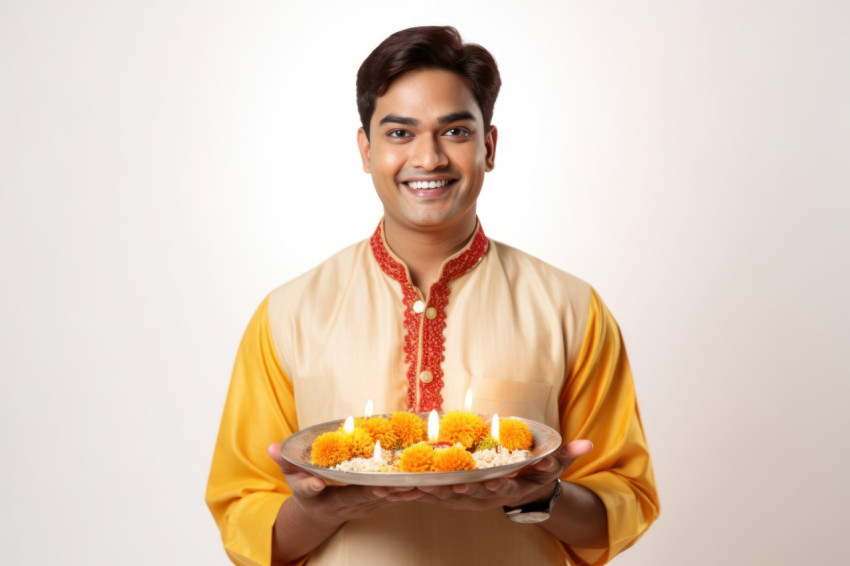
[[433, 336]]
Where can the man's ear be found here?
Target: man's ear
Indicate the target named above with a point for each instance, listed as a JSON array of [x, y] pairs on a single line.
[[490, 144], [365, 148]]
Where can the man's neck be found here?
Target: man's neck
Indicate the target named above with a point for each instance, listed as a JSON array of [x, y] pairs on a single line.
[[425, 251]]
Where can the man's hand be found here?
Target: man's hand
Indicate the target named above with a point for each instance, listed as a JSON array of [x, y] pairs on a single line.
[[534, 483], [316, 510], [334, 505]]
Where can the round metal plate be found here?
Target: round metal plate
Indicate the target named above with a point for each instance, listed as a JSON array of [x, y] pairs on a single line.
[[296, 449]]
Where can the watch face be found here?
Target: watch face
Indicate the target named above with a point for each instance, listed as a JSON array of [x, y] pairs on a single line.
[[530, 517]]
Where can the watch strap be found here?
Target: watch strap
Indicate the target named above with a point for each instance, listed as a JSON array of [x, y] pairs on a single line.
[[536, 507]]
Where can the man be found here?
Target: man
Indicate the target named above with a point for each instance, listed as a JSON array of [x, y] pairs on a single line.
[[411, 318]]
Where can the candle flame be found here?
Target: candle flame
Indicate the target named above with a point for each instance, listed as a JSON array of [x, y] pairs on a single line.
[[433, 427], [349, 425], [369, 407], [494, 427], [467, 404], [377, 454]]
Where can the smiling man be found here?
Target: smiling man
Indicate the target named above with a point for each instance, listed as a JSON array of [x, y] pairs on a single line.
[[411, 318]]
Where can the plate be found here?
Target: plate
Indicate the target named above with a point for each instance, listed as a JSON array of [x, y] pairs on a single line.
[[296, 449]]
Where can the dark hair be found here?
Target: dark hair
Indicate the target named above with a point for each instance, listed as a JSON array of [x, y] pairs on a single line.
[[435, 47]]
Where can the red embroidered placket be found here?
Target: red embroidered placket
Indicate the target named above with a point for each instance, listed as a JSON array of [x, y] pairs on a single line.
[[425, 324]]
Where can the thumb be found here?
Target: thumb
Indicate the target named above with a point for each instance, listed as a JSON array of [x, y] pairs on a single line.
[[311, 483], [285, 465], [274, 453], [577, 448]]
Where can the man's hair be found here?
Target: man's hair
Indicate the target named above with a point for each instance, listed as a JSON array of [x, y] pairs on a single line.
[[427, 47]]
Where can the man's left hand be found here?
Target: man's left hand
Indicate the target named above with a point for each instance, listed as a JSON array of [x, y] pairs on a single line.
[[534, 483]]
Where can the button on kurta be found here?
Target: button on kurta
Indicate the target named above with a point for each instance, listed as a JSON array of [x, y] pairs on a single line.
[[426, 376], [431, 313], [418, 307]]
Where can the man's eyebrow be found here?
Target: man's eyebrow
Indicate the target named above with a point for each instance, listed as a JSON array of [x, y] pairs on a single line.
[[396, 119], [456, 117], [448, 118]]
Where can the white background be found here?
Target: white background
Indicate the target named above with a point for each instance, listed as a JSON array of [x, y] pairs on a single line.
[[163, 165]]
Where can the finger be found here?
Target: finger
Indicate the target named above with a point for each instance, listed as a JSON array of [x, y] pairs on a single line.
[[564, 457], [549, 463], [274, 453], [477, 490], [496, 485], [383, 491], [484, 490], [285, 465], [578, 448], [438, 491], [305, 485], [405, 495], [298, 479]]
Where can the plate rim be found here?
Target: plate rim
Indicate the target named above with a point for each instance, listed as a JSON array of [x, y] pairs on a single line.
[[409, 479]]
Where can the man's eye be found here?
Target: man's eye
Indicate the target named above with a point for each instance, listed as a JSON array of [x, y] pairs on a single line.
[[398, 134], [455, 132]]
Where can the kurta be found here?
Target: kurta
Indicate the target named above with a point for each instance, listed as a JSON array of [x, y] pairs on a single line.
[[530, 340]]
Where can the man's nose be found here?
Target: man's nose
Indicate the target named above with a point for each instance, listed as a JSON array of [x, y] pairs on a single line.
[[428, 154]]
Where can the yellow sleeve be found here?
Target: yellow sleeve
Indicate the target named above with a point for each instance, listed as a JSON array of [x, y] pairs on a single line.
[[598, 403], [246, 488]]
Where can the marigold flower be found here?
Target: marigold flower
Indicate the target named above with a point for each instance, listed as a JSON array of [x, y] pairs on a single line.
[[408, 428], [515, 435], [360, 444], [417, 458], [330, 449], [461, 427], [452, 459], [379, 428]]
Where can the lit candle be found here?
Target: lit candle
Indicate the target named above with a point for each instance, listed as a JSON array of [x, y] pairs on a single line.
[[377, 455], [467, 404], [349, 425], [433, 427], [368, 412], [494, 427]]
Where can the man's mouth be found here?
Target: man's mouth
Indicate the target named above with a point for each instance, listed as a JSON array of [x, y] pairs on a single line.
[[419, 185]]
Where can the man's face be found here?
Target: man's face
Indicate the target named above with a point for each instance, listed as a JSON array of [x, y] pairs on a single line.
[[428, 151]]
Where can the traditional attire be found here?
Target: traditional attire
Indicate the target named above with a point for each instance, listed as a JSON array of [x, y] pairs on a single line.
[[529, 339]]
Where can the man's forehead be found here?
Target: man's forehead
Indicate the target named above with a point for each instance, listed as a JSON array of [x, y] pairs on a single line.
[[428, 93]]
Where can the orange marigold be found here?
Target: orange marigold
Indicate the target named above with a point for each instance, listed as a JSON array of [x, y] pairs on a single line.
[[515, 435], [417, 458], [330, 449], [409, 429], [379, 428], [452, 459], [360, 444], [462, 427]]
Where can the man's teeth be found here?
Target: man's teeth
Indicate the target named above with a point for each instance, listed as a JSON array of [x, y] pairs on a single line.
[[427, 184]]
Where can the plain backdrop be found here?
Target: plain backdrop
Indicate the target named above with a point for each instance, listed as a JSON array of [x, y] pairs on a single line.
[[163, 165]]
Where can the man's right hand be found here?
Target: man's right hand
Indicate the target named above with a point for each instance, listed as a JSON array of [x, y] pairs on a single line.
[[315, 510]]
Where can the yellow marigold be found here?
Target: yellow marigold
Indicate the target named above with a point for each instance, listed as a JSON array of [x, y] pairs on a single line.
[[330, 449], [461, 427], [452, 459], [408, 428], [515, 435], [379, 428], [360, 444], [417, 458]]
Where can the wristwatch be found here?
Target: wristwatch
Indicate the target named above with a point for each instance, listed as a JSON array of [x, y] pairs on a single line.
[[536, 512]]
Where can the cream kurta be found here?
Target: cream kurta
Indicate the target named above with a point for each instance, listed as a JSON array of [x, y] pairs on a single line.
[[529, 339]]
